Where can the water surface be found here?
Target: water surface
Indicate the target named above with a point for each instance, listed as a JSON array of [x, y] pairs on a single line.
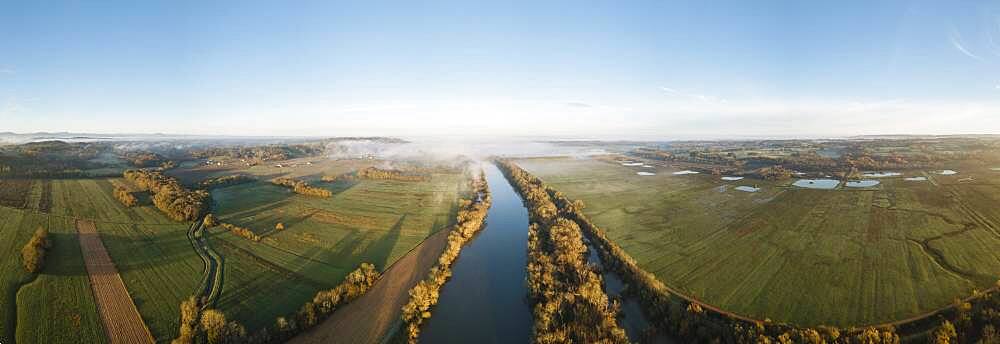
[[825, 184], [862, 183], [881, 174], [484, 302]]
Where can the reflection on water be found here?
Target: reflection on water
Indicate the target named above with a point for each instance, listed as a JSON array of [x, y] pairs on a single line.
[[484, 302]]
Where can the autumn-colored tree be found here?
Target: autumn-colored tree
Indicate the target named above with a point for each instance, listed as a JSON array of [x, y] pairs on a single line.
[[945, 334], [210, 221], [213, 322], [33, 253], [125, 197]]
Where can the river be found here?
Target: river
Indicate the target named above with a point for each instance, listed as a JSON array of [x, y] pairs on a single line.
[[485, 300]]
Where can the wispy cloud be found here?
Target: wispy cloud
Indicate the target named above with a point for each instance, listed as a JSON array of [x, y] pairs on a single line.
[[956, 41], [694, 96], [6, 71], [579, 105]]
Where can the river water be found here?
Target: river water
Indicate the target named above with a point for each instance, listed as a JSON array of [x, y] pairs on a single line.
[[485, 300]]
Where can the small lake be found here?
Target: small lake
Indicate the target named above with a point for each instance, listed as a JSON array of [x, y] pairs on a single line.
[[881, 174], [947, 172], [732, 178], [825, 184], [862, 183], [745, 188], [632, 164], [485, 299], [679, 173], [646, 173], [916, 179]]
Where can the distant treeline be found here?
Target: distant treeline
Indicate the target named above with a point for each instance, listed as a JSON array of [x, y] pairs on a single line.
[[169, 196], [224, 181], [972, 321], [376, 173], [144, 159], [258, 154], [569, 302], [301, 187], [424, 295], [50, 159]]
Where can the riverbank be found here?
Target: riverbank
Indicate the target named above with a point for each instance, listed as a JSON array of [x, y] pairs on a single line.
[[376, 314]]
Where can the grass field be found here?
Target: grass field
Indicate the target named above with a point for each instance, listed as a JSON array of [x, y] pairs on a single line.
[[57, 305], [810, 257], [324, 238], [154, 259]]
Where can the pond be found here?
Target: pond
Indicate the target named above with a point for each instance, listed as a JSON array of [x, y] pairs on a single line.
[[646, 173], [825, 184], [947, 172], [732, 178], [916, 179], [632, 164], [862, 183], [484, 302], [685, 172], [881, 174], [745, 188]]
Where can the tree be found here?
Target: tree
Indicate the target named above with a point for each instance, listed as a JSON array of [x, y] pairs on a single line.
[[279, 227], [33, 253], [210, 221], [945, 333], [213, 322]]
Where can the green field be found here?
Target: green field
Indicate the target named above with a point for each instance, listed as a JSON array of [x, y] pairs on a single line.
[[324, 238], [152, 254], [810, 257], [55, 305]]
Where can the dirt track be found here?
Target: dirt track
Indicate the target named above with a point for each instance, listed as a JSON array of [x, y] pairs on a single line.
[[122, 322], [372, 316]]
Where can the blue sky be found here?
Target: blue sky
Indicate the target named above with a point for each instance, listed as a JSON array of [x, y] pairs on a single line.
[[616, 69]]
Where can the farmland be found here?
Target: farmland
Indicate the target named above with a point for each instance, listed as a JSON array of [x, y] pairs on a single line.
[[810, 257], [56, 305], [121, 319], [323, 239], [155, 260]]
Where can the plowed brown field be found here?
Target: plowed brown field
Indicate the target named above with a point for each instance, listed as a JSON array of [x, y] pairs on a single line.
[[122, 322]]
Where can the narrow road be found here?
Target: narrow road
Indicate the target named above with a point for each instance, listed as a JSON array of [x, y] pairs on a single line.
[[122, 322], [376, 313]]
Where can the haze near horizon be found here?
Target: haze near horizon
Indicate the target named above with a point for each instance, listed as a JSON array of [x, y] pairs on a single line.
[[569, 69]]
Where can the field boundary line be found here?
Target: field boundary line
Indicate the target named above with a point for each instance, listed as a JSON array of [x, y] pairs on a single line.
[[847, 329], [119, 315]]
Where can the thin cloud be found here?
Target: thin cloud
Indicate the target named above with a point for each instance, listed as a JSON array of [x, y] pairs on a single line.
[[694, 96], [956, 41], [579, 105], [6, 71]]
